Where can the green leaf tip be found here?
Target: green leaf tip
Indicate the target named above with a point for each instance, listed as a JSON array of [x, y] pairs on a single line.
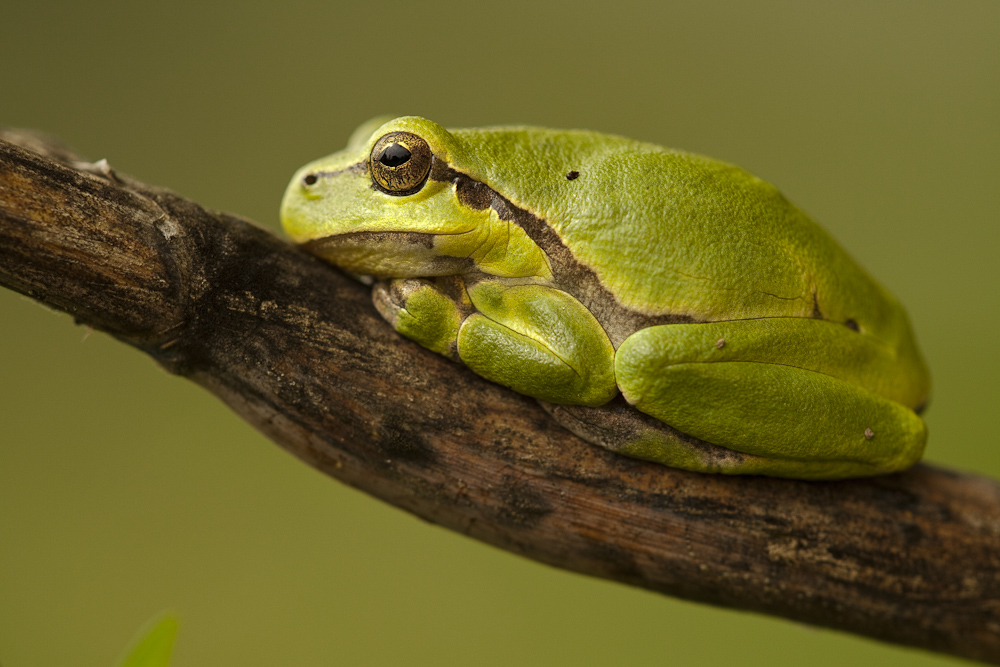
[[153, 644]]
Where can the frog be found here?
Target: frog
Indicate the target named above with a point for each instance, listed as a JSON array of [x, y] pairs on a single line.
[[663, 305]]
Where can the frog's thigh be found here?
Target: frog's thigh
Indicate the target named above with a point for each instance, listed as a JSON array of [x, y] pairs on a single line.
[[429, 312], [538, 341], [792, 421]]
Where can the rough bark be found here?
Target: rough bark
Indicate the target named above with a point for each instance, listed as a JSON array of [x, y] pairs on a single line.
[[297, 350]]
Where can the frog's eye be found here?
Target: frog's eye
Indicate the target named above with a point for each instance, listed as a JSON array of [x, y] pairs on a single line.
[[400, 163]]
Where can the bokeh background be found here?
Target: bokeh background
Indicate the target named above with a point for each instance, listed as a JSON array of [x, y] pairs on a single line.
[[125, 491]]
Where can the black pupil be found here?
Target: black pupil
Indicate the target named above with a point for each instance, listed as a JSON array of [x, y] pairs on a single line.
[[394, 155]]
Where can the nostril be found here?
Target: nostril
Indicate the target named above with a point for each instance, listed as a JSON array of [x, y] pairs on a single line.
[[310, 179]]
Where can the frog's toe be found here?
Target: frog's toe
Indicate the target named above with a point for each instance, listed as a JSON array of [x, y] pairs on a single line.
[[619, 427], [389, 297], [420, 310]]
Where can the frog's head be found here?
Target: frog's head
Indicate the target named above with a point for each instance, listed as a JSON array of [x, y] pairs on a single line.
[[382, 205]]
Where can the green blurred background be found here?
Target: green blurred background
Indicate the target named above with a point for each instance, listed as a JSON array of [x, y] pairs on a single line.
[[124, 490]]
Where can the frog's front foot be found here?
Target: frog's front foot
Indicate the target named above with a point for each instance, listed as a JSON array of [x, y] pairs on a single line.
[[534, 339], [427, 311]]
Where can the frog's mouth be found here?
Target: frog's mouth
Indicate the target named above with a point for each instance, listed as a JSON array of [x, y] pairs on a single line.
[[387, 254]]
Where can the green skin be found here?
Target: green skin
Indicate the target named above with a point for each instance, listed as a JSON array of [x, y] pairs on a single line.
[[571, 266]]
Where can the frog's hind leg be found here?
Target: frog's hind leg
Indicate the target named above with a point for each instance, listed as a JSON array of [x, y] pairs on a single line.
[[802, 398]]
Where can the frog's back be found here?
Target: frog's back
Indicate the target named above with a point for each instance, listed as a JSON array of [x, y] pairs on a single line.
[[671, 233]]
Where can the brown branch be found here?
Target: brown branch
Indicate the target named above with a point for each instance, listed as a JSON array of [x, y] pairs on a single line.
[[297, 350]]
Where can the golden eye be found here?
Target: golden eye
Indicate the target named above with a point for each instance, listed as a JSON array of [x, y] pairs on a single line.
[[400, 163]]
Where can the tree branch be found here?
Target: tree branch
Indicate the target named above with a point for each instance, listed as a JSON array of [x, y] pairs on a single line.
[[297, 350]]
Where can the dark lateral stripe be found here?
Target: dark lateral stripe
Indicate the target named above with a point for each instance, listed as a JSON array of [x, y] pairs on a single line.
[[356, 168], [570, 275]]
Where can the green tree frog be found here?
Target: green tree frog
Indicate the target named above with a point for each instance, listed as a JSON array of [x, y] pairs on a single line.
[[661, 304]]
